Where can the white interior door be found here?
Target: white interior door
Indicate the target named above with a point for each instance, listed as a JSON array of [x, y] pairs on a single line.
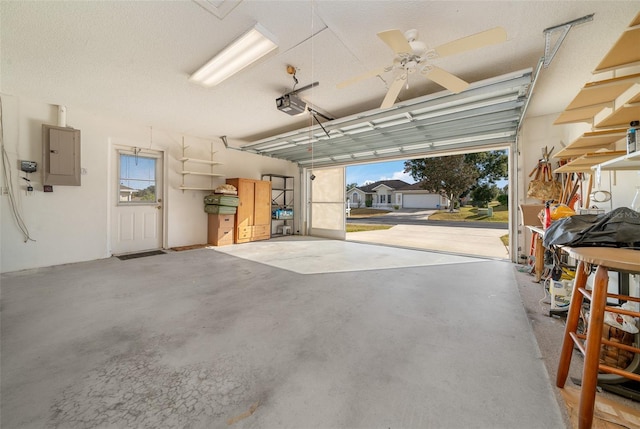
[[137, 214], [328, 203]]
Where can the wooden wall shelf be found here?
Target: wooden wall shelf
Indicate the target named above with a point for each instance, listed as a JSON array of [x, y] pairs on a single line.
[[609, 105], [583, 114], [585, 162], [592, 141], [603, 91], [625, 51], [621, 114]]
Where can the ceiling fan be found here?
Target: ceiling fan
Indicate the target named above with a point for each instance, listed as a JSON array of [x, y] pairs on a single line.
[[413, 56]]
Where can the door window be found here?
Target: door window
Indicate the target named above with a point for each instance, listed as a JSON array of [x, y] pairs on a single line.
[[137, 180]]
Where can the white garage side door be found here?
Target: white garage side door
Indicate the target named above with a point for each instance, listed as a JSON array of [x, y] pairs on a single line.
[[420, 201], [136, 207], [327, 203]]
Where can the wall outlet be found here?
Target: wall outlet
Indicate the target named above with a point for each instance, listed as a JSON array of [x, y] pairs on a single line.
[[4, 190]]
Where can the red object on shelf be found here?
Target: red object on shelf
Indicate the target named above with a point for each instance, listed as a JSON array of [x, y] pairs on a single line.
[[547, 215]]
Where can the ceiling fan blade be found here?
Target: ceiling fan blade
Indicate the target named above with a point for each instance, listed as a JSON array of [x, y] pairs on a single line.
[[395, 40], [356, 79], [475, 41], [393, 92], [444, 78]]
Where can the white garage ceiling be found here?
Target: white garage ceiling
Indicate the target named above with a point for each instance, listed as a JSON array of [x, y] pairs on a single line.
[[132, 59]]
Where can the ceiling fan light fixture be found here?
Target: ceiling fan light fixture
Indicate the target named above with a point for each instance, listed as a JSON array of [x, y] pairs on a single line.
[[249, 48], [418, 47]]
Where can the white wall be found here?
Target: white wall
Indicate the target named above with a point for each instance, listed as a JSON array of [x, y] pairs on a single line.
[[72, 223]]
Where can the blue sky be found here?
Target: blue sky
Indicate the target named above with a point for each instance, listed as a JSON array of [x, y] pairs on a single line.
[[137, 172], [392, 170]]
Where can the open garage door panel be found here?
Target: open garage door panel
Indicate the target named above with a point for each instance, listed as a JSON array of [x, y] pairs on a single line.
[[484, 117], [327, 203]]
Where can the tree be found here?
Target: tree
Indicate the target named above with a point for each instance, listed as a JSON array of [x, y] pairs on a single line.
[[350, 186], [146, 194], [492, 165], [449, 175], [483, 194]]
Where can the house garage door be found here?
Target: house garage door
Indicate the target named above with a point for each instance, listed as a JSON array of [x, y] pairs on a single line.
[[420, 201]]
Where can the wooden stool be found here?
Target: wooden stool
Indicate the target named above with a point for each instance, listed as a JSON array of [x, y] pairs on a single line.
[[606, 259]]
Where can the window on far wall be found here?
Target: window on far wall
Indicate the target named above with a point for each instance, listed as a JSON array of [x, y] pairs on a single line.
[[137, 179]]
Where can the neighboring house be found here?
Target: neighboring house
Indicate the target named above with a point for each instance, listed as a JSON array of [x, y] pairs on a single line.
[[387, 194], [126, 193]]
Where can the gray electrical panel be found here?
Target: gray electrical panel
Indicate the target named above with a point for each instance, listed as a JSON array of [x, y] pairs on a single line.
[[60, 155]]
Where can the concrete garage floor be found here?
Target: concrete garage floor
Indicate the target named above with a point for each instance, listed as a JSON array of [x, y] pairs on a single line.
[[298, 338]]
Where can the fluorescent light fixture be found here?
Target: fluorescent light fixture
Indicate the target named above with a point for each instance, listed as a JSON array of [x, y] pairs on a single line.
[[250, 47]]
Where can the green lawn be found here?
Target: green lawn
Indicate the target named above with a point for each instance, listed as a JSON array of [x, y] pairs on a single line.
[[365, 212], [468, 213], [351, 227]]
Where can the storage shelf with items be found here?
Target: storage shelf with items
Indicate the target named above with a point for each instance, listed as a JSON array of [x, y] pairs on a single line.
[[189, 168], [609, 106], [282, 210]]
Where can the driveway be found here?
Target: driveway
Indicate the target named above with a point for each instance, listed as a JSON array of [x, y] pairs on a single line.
[[413, 230]]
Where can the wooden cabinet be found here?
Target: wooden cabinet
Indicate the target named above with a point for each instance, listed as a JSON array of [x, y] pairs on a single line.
[[253, 218]]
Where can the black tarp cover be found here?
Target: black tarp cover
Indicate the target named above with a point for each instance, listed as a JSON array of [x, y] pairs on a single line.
[[618, 228]]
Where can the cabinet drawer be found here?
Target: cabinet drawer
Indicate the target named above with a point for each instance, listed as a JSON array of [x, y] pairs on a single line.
[[244, 232], [261, 232]]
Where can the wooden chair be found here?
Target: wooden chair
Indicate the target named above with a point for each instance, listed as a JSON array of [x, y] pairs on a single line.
[[624, 260]]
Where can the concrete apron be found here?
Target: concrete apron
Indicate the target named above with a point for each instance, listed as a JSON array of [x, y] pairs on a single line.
[[484, 242], [211, 338]]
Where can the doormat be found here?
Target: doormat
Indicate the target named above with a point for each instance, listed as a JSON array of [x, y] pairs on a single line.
[[140, 255], [193, 246]]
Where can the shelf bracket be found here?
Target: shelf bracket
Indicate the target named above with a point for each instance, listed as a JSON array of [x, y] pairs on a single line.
[[549, 51]]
